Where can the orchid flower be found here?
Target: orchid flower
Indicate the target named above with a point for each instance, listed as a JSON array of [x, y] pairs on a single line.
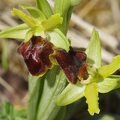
[[45, 46], [100, 79]]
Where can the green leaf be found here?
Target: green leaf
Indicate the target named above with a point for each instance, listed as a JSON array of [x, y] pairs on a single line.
[[64, 8], [53, 114], [16, 32], [70, 94], [91, 94], [54, 83], [75, 2], [35, 91], [61, 114], [58, 39], [8, 112], [44, 6], [21, 113], [36, 13], [108, 84], [52, 22], [94, 50], [27, 19], [107, 70]]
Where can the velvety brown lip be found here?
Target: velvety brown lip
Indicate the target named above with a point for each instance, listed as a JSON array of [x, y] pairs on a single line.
[[36, 54], [71, 63]]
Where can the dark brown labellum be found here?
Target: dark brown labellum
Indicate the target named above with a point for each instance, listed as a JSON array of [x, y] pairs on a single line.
[[36, 54], [72, 63]]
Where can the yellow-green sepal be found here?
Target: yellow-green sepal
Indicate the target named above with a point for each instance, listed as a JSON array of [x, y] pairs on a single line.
[[24, 17], [91, 94]]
